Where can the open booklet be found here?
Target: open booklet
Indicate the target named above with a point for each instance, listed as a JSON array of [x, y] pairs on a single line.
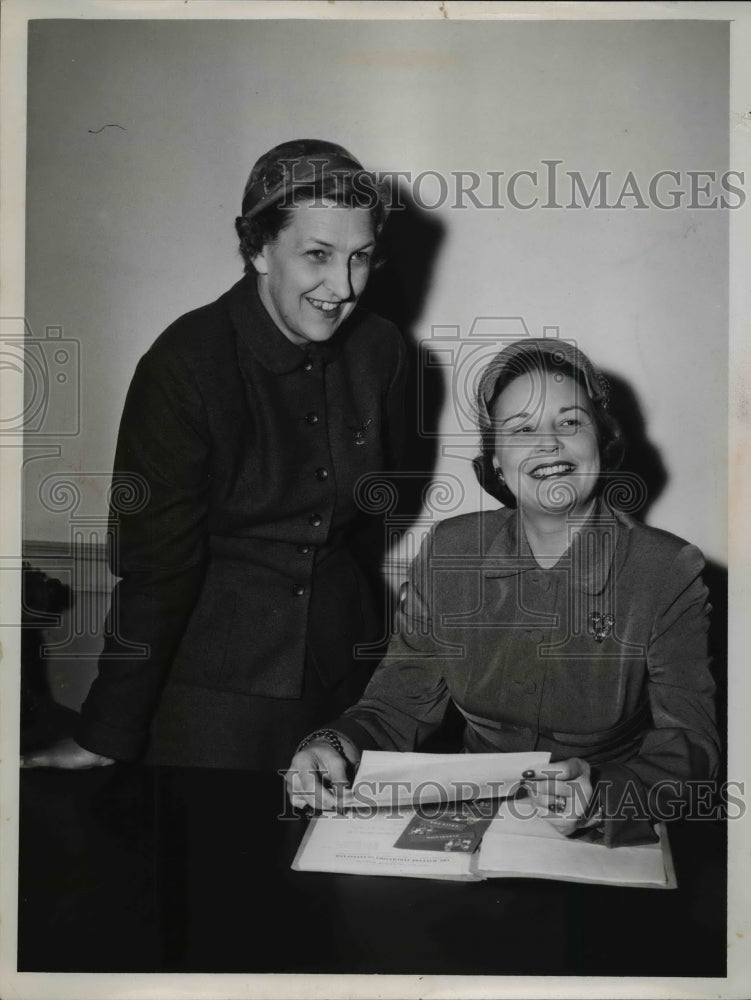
[[418, 833]]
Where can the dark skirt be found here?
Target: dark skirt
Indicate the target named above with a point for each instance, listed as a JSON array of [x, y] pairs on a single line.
[[202, 727]]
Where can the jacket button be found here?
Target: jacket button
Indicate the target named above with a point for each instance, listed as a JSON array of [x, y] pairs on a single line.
[[316, 520], [312, 418], [303, 549], [530, 687], [308, 366], [322, 474], [298, 590]]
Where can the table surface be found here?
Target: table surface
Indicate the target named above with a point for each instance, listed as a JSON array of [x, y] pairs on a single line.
[[129, 869]]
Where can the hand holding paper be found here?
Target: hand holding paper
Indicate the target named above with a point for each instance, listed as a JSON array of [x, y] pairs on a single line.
[[318, 775], [562, 791]]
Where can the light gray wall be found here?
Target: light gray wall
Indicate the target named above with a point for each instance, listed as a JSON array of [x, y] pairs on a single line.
[[129, 227]]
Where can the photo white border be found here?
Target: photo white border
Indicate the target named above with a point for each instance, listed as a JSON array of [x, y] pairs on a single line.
[[29, 986]]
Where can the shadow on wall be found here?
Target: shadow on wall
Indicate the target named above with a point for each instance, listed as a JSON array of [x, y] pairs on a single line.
[[398, 291], [643, 463]]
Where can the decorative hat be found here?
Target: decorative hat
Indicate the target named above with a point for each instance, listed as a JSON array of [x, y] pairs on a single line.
[[529, 355], [294, 164]]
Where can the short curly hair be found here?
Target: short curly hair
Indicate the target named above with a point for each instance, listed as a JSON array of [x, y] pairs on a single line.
[[348, 191], [543, 355]]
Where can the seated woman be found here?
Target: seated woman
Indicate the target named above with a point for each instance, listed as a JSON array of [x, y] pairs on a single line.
[[555, 623]]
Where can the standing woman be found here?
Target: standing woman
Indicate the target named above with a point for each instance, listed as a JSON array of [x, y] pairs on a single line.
[[245, 429]]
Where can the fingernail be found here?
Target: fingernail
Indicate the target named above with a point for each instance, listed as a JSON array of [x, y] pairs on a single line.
[[528, 774]]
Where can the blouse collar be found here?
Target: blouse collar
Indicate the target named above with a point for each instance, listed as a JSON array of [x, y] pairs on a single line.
[[595, 550]]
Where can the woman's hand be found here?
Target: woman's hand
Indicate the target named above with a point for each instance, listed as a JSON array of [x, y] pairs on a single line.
[[317, 776], [562, 792], [66, 754]]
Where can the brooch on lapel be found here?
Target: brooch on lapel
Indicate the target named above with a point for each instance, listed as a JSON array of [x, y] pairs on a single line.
[[600, 626], [360, 431]]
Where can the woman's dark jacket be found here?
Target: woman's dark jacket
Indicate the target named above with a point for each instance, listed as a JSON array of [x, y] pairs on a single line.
[[516, 648], [232, 509]]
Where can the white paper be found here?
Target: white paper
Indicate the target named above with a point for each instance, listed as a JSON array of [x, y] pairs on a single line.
[[386, 779]]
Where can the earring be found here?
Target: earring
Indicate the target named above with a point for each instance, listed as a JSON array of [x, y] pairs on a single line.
[[499, 475]]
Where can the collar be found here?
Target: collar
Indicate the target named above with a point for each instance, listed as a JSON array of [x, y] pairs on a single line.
[[596, 550], [261, 339]]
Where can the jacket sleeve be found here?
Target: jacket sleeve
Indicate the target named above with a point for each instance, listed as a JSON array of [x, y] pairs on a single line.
[[158, 528], [407, 697], [682, 744]]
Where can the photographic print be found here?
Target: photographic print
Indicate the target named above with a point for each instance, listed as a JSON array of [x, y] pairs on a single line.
[[372, 381]]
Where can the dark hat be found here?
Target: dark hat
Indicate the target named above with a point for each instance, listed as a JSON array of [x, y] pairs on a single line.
[[294, 164]]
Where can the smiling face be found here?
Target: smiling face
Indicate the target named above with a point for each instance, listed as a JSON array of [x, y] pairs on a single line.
[[311, 276], [546, 443]]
